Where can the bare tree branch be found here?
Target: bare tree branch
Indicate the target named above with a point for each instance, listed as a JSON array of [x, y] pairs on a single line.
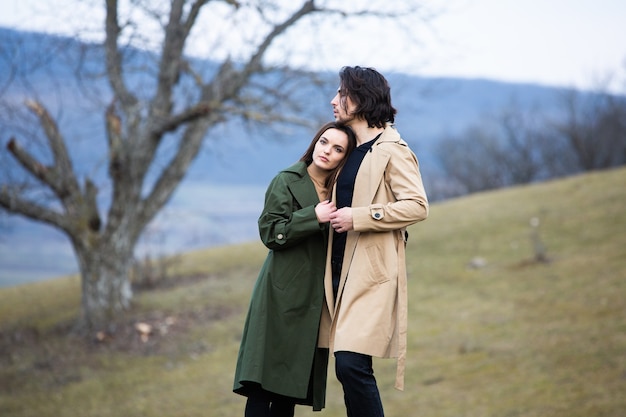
[[30, 163], [114, 57], [120, 171], [62, 163], [168, 181], [255, 61], [47, 175], [190, 114], [195, 11], [13, 203]]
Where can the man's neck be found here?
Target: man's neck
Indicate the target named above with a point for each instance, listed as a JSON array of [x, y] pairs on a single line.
[[364, 133]]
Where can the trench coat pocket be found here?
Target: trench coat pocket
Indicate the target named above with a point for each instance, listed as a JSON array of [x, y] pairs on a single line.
[[375, 258]]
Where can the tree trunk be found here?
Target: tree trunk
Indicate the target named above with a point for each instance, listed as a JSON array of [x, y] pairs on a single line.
[[106, 287]]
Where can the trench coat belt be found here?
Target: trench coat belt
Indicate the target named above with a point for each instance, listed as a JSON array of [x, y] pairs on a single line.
[[402, 322]]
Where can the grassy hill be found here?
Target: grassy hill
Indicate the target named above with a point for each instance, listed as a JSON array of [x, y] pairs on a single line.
[[493, 331]]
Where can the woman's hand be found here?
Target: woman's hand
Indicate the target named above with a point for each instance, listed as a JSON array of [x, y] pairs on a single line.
[[323, 210]]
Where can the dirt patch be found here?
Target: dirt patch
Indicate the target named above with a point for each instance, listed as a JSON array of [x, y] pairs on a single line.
[[158, 332], [59, 355], [137, 332], [141, 283]]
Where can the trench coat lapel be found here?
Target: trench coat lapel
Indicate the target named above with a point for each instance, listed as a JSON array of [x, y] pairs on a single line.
[[301, 191], [365, 187]]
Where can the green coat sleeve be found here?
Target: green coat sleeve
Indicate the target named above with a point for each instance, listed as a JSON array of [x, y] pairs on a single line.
[[288, 215]]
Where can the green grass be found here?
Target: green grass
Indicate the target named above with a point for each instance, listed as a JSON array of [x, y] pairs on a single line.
[[513, 338]]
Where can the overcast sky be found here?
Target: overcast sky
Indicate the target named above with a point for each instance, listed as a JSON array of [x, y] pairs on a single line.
[[573, 43], [547, 41]]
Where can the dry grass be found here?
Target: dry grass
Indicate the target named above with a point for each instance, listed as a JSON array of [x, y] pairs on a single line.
[[511, 338]]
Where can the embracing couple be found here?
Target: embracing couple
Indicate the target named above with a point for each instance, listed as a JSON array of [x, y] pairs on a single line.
[[334, 279]]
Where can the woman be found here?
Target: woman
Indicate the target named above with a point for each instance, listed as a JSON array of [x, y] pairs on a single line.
[[279, 364]]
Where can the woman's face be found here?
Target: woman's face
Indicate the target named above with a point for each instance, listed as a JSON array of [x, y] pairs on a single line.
[[330, 149]]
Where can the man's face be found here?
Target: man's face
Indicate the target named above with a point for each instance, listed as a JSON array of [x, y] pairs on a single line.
[[343, 107]]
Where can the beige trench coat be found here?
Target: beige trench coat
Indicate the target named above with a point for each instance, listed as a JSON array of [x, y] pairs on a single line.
[[369, 315]]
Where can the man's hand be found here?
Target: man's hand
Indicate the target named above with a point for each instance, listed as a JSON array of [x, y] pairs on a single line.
[[341, 220]]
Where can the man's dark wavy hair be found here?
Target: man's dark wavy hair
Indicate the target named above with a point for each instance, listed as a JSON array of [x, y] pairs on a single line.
[[370, 92]]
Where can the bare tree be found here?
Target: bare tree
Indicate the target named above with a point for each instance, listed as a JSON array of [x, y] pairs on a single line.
[[523, 149], [498, 151], [520, 146], [471, 159], [175, 112], [593, 129]]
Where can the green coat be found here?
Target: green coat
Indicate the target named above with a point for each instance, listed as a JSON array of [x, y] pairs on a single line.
[[279, 343]]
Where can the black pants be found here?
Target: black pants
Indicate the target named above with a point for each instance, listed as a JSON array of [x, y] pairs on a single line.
[[261, 403], [361, 395]]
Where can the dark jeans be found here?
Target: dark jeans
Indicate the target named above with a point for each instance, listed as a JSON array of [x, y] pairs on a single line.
[[354, 371], [261, 403]]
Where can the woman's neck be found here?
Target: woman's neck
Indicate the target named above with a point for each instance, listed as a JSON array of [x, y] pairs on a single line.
[[318, 177], [317, 173]]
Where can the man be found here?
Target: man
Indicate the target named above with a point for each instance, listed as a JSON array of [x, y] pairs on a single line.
[[378, 194]]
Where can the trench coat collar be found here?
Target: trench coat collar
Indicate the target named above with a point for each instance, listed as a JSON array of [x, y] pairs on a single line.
[[374, 164], [300, 187]]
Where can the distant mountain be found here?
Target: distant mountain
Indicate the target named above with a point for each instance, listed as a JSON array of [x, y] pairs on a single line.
[[222, 195]]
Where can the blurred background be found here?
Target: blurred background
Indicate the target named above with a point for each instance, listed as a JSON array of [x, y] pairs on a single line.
[[137, 139], [496, 74]]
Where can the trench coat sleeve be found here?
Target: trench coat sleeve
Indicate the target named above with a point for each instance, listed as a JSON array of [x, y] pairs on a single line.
[[403, 181]]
